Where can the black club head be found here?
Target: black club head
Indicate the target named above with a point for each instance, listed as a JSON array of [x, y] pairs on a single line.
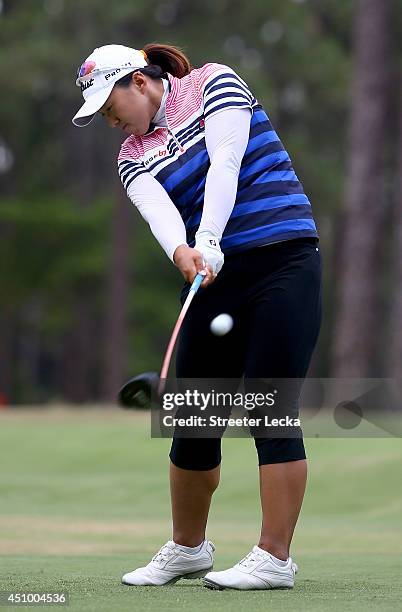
[[139, 391]]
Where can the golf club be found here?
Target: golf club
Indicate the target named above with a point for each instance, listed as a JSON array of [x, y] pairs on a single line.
[[138, 391]]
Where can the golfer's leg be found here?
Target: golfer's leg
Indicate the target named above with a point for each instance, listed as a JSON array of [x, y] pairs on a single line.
[[191, 493], [282, 487], [288, 318], [195, 462]]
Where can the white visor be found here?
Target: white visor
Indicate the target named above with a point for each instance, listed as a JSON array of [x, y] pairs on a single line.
[[91, 106], [98, 74]]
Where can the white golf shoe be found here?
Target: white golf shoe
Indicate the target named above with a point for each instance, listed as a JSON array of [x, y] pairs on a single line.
[[172, 563], [257, 570]]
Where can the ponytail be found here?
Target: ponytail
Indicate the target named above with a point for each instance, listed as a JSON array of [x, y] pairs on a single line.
[[168, 58], [161, 59]]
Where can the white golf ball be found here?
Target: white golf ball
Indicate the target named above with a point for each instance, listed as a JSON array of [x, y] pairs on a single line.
[[221, 325]]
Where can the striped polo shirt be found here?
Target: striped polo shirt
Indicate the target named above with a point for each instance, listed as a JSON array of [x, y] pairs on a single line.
[[270, 206]]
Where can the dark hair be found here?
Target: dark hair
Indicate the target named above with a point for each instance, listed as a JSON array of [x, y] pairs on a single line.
[[161, 59], [168, 58]]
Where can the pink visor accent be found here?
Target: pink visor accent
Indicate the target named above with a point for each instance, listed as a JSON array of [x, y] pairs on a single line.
[[86, 68]]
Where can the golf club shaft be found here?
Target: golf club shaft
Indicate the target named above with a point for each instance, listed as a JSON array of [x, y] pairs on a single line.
[[165, 367]]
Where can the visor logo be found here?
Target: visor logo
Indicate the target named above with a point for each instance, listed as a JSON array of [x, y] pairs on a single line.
[[117, 70], [107, 76], [86, 84]]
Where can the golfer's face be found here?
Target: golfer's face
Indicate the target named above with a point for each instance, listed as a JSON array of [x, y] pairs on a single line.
[[130, 108]]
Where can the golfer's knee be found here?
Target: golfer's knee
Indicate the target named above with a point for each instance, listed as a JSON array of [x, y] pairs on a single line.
[[279, 450], [196, 453]]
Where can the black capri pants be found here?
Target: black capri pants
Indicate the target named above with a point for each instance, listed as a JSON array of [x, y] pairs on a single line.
[[274, 294]]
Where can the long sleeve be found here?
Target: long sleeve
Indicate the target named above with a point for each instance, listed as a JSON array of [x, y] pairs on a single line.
[[156, 207], [226, 135], [227, 107]]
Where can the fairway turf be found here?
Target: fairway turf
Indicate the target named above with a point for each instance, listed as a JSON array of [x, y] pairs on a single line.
[[84, 498]]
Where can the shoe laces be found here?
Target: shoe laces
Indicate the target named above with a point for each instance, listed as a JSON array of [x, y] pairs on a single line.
[[251, 558], [165, 553]]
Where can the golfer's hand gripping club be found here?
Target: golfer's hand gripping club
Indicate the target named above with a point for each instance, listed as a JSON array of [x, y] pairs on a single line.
[[208, 245]]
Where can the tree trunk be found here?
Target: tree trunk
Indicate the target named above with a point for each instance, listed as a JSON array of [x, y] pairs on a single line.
[[8, 358], [355, 328], [80, 349], [115, 333], [77, 352], [395, 345]]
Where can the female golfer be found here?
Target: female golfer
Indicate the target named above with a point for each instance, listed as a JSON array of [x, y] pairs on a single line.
[[207, 171]]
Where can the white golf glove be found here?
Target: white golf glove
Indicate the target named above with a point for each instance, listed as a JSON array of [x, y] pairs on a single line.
[[208, 245]]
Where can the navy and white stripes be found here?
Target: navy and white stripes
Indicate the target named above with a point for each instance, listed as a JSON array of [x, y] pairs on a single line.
[[270, 203], [227, 90]]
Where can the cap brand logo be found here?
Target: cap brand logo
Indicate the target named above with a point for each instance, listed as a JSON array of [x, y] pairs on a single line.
[[117, 70], [86, 84], [107, 76]]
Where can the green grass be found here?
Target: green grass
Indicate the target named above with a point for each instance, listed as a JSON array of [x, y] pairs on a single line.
[[84, 498]]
